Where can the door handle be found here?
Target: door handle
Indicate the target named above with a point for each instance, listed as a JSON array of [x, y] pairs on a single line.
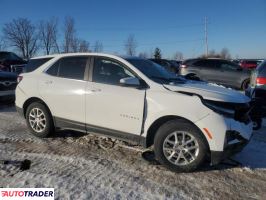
[[48, 82], [96, 90]]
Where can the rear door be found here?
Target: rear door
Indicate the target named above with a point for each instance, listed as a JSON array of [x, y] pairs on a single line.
[[63, 89], [207, 70], [111, 107], [230, 74]]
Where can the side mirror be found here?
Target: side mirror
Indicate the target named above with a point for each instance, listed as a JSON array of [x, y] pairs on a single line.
[[130, 81]]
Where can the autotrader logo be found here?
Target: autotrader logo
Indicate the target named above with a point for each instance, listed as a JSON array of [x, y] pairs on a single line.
[[27, 193]]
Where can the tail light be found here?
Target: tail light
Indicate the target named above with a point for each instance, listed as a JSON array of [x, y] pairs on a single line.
[[261, 81], [19, 78]]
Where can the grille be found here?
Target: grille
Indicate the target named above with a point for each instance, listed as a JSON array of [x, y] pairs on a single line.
[[7, 85]]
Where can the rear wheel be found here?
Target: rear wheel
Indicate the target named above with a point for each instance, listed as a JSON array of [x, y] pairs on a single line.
[[180, 146], [39, 120]]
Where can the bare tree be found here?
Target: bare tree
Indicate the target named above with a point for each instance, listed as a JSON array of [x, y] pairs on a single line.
[[84, 46], [131, 45], [225, 53], [21, 34], [2, 43], [157, 53], [79, 45], [178, 56], [48, 35], [143, 55], [98, 46], [69, 34]]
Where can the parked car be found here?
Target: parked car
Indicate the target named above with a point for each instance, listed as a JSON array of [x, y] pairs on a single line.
[[218, 71], [10, 62], [136, 100], [34, 63], [8, 83], [249, 64], [257, 91], [169, 65]]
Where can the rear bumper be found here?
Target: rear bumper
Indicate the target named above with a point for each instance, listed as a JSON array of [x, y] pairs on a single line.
[[234, 146]]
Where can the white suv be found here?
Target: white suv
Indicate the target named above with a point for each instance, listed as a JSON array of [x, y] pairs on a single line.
[[135, 100]]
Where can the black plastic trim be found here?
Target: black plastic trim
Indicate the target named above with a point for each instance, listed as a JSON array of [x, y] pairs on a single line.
[[73, 125], [69, 124]]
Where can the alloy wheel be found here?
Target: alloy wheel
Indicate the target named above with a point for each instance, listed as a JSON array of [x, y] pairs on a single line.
[[180, 148]]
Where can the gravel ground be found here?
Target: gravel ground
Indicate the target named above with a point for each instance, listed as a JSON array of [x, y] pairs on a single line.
[[82, 166]]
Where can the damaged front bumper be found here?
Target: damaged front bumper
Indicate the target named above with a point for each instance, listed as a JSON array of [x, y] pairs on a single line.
[[234, 143]]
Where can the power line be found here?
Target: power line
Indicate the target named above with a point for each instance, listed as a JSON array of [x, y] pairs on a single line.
[[147, 28]]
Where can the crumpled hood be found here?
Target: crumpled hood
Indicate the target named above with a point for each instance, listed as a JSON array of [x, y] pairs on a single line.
[[210, 91]]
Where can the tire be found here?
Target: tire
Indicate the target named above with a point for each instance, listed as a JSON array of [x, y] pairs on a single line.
[[186, 162], [257, 124], [245, 84], [44, 121]]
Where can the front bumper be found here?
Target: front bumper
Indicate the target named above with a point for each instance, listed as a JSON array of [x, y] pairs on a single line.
[[234, 145], [8, 95]]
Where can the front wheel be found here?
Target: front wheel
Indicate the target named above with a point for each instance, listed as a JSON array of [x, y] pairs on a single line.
[[39, 120], [180, 146]]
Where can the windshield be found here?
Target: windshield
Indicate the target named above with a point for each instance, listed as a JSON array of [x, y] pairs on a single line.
[[155, 72], [35, 63]]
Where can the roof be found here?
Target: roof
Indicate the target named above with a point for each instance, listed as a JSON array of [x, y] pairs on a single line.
[[82, 54]]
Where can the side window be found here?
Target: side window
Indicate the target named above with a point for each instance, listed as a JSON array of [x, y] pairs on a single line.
[[109, 72], [208, 64], [228, 66], [53, 70], [72, 67]]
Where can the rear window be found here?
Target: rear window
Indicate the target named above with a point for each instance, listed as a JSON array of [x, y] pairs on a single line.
[[189, 61], [35, 63], [262, 69]]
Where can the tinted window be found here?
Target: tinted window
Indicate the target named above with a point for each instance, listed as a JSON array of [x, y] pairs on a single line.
[[109, 71], [35, 63], [53, 70], [72, 67], [262, 69], [206, 63], [4, 55], [229, 65], [13, 56]]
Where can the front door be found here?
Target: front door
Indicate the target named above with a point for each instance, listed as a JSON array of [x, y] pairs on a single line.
[[109, 105]]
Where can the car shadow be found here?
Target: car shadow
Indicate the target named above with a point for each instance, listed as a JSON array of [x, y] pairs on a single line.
[[7, 107], [67, 133]]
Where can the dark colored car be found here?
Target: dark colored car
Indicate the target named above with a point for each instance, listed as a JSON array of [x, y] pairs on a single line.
[[8, 83], [218, 71], [34, 63], [10, 62], [169, 65], [257, 91], [249, 64]]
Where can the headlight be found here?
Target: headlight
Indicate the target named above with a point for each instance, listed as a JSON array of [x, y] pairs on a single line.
[[226, 109]]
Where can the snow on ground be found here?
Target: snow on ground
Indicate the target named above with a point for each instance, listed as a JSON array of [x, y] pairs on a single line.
[[82, 166]]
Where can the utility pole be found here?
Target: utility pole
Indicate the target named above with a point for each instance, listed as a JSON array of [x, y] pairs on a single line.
[[206, 37]]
